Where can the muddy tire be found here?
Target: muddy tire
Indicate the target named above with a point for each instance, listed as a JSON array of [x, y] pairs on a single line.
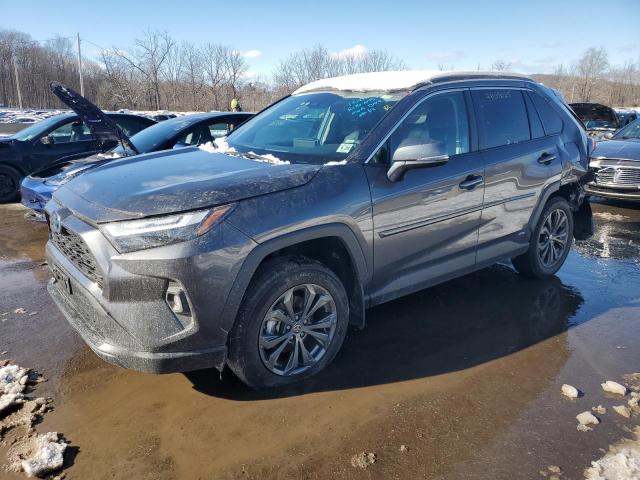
[[9, 184], [292, 322], [550, 242]]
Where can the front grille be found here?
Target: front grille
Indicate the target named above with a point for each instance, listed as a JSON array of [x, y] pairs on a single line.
[[628, 176], [77, 252], [621, 176], [605, 175]]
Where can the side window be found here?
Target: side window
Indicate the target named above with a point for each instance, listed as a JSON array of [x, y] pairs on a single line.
[[219, 130], [534, 120], [550, 119], [502, 117], [75, 131], [440, 122]]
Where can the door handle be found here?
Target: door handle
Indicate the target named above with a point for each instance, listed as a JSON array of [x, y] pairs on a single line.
[[471, 182], [546, 158]]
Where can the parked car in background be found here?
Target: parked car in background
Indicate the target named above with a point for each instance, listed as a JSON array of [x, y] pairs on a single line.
[[24, 120], [189, 130], [600, 121], [161, 117], [616, 165], [351, 192], [62, 138], [625, 117]]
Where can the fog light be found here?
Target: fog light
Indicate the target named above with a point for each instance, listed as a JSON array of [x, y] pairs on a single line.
[[177, 299]]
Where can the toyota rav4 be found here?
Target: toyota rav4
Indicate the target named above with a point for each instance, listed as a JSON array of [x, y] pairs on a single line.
[[259, 251]]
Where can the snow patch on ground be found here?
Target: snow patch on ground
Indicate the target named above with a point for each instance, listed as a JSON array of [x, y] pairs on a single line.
[[622, 462], [570, 391], [614, 387], [48, 455], [363, 459], [13, 379]]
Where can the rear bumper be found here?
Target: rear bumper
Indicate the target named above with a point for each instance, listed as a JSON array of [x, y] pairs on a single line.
[[618, 194]]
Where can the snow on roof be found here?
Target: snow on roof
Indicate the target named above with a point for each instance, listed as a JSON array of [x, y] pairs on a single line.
[[391, 81]]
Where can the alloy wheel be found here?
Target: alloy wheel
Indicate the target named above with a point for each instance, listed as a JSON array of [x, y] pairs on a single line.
[[553, 238], [297, 329]]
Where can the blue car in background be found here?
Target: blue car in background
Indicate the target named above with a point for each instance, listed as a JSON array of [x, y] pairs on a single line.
[[189, 130]]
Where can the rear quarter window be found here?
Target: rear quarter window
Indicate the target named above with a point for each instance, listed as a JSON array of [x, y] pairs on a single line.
[[501, 116], [551, 120]]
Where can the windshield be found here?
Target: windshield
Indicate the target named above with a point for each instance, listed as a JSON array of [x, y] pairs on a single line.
[[314, 127], [149, 139], [630, 132], [37, 129]]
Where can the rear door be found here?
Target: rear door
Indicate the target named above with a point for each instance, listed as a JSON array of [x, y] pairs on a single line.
[[426, 223], [520, 160]]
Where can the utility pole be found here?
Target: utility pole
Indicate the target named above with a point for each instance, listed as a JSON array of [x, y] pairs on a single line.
[[15, 69], [80, 67]]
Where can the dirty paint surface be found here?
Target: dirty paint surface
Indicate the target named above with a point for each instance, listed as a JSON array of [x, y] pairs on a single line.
[[466, 376]]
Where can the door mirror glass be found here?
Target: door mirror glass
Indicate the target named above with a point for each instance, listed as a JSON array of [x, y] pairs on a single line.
[[46, 140]]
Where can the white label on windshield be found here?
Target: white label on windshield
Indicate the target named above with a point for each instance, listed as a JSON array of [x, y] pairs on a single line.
[[345, 147]]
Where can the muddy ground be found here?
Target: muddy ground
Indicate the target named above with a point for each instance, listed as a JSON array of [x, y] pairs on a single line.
[[467, 375]]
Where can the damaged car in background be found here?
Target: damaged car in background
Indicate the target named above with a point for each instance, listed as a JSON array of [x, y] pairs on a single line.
[[600, 121], [616, 165], [353, 191], [189, 130], [62, 138]]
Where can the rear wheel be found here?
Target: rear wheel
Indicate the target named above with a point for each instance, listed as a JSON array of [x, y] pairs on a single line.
[[550, 242], [9, 184], [291, 324]]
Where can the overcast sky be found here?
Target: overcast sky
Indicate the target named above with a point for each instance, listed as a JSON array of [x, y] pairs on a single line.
[[534, 35]]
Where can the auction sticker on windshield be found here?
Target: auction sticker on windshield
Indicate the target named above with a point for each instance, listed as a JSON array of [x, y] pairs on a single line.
[[344, 147]]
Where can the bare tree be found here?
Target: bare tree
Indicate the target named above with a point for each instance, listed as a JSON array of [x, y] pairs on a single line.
[[148, 57], [590, 69], [215, 68], [501, 65], [236, 68], [193, 74]]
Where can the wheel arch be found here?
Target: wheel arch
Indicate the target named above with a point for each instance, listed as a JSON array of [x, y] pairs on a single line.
[[328, 244]]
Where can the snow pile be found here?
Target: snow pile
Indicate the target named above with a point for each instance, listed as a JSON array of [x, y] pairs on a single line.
[[570, 391], [614, 387], [220, 145], [48, 455], [110, 155], [622, 410], [383, 81], [343, 162], [268, 158], [621, 463], [13, 379], [363, 459], [587, 418]]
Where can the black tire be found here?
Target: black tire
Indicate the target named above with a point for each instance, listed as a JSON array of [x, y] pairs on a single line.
[[273, 280], [9, 184], [531, 264]]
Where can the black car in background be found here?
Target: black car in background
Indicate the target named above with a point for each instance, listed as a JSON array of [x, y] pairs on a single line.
[[62, 138], [600, 121], [625, 117], [616, 165]]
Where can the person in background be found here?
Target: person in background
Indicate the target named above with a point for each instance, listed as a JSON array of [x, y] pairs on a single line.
[[235, 107]]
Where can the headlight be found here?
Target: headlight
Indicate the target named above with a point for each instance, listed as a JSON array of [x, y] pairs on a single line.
[[131, 235], [64, 176]]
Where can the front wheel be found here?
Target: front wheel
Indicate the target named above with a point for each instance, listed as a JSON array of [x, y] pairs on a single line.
[[9, 184], [291, 324], [550, 242]]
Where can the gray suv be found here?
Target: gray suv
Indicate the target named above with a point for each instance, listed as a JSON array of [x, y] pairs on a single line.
[[258, 252]]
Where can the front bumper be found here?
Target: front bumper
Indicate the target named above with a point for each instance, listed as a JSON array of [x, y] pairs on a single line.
[[123, 314], [35, 195], [613, 193]]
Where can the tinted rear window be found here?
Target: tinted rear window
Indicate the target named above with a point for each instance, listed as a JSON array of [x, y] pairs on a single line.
[[502, 117], [551, 120]]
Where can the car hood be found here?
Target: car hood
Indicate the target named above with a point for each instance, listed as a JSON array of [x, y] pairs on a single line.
[[174, 181], [102, 127], [618, 149]]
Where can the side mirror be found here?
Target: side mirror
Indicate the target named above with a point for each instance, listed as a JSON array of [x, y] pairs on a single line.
[[47, 140], [411, 156], [608, 135]]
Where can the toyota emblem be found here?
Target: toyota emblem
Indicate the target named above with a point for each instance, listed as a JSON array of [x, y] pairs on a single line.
[[56, 223]]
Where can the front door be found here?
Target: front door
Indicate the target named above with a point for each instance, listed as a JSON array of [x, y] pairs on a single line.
[[68, 140], [426, 223]]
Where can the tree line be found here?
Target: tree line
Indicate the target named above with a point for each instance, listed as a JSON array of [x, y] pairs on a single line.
[[156, 72]]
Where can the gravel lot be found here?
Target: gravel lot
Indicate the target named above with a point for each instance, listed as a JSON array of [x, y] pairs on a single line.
[[466, 376]]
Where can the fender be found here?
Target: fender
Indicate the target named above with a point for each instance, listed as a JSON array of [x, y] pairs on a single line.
[[259, 253], [542, 201]]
